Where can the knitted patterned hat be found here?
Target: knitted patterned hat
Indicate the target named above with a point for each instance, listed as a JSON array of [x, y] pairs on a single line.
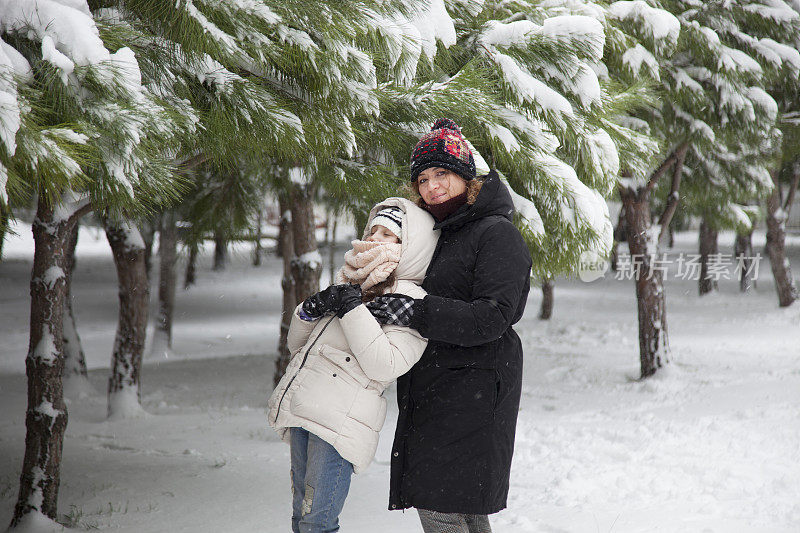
[[443, 147], [391, 218]]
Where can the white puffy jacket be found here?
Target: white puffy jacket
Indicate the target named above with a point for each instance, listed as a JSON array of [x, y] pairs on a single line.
[[333, 386]]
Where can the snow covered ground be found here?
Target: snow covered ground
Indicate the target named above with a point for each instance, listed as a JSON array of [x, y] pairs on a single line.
[[711, 445]]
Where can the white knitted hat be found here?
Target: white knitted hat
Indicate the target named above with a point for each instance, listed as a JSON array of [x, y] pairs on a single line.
[[391, 218]]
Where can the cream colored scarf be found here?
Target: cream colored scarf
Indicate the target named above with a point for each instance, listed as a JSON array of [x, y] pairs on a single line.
[[369, 263]]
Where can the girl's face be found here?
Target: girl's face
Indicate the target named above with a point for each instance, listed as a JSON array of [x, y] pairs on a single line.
[[437, 185], [382, 234]]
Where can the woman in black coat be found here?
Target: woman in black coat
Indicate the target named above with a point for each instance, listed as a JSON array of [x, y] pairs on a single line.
[[452, 450]]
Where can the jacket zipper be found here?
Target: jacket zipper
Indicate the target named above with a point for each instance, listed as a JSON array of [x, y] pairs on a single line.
[[305, 357]]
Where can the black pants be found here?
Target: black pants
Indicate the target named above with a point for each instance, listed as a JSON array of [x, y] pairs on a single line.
[[436, 522]]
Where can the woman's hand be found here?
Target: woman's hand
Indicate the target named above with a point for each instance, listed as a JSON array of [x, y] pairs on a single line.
[[392, 309], [337, 299]]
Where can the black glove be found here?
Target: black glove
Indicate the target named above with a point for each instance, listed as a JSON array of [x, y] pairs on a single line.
[[394, 309], [349, 298], [335, 299]]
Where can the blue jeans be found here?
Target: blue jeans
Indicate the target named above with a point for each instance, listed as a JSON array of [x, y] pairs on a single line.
[[320, 482]]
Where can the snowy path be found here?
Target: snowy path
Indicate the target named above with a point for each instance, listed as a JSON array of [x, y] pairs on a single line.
[[713, 445]]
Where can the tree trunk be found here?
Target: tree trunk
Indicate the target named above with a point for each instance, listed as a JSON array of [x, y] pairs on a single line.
[[546, 310], [74, 358], [651, 303], [168, 242], [332, 259], [743, 250], [4, 215], [148, 235], [708, 247], [285, 243], [257, 250], [220, 252], [644, 243], [46, 415], [191, 266], [307, 264], [620, 235], [124, 385], [776, 242]]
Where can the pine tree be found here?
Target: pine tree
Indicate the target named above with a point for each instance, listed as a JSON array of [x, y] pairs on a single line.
[[284, 79], [771, 30], [738, 173], [82, 133], [713, 109]]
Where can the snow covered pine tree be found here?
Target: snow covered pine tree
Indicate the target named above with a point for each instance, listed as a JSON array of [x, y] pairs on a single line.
[[712, 104], [81, 131]]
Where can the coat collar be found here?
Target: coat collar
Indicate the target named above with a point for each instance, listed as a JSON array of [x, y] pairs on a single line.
[[493, 199]]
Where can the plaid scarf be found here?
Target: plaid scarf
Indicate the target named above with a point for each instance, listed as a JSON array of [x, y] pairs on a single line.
[[369, 263]]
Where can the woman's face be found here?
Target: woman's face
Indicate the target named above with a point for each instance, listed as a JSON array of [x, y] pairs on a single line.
[[382, 234], [437, 185]]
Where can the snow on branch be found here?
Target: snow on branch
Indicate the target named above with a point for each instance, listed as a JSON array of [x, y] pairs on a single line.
[[735, 60], [586, 31], [496, 33], [659, 24], [72, 204], [779, 12], [12, 65], [779, 53], [434, 24], [579, 204], [541, 137], [762, 100], [525, 208], [71, 31], [529, 89], [210, 28], [637, 56]]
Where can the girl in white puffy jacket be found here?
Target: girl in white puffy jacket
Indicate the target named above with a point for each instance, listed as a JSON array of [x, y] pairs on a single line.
[[329, 405]]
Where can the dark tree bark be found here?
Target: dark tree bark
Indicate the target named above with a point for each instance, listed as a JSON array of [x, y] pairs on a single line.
[[306, 264], [46, 414], [220, 252], [167, 251], [620, 235], [743, 249], [74, 357], [546, 310], [653, 347], [148, 231], [332, 259], [285, 243], [776, 244], [190, 277], [4, 215], [124, 384], [708, 247], [257, 249], [648, 276]]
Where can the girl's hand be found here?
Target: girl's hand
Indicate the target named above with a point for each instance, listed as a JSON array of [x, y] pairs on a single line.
[[335, 299]]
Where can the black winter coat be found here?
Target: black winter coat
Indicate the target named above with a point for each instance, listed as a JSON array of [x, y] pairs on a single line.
[[458, 405]]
